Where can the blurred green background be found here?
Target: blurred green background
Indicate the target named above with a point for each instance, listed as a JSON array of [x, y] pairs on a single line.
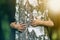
[[4, 24], [5, 28]]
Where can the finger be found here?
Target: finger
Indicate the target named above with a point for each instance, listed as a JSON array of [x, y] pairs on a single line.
[[24, 24], [36, 18], [34, 25], [32, 21], [22, 29]]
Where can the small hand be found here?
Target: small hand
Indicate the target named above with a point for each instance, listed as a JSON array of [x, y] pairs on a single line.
[[19, 26], [35, 22]]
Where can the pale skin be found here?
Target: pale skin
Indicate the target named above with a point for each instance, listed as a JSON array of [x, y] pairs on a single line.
[[37, 22], [19, 26]]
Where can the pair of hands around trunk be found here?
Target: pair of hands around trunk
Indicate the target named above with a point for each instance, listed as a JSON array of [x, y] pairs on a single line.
[[22, 27]]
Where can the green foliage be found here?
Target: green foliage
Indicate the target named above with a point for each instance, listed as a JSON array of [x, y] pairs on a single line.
[[6, 27], [2, 2], [54, 36]]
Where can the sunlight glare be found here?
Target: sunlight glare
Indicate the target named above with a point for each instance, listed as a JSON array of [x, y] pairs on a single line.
[[54, 5]]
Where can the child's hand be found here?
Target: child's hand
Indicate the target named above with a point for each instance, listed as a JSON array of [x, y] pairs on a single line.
[[19, 27]]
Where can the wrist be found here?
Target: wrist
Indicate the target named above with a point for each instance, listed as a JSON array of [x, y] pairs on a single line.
[[40, 23], [13, 25]]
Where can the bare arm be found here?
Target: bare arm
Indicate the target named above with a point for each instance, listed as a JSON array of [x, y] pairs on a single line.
[[38, 22], [48, 23]]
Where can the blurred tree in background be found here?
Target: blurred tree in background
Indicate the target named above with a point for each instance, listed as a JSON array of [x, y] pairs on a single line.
[[5, 28]]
